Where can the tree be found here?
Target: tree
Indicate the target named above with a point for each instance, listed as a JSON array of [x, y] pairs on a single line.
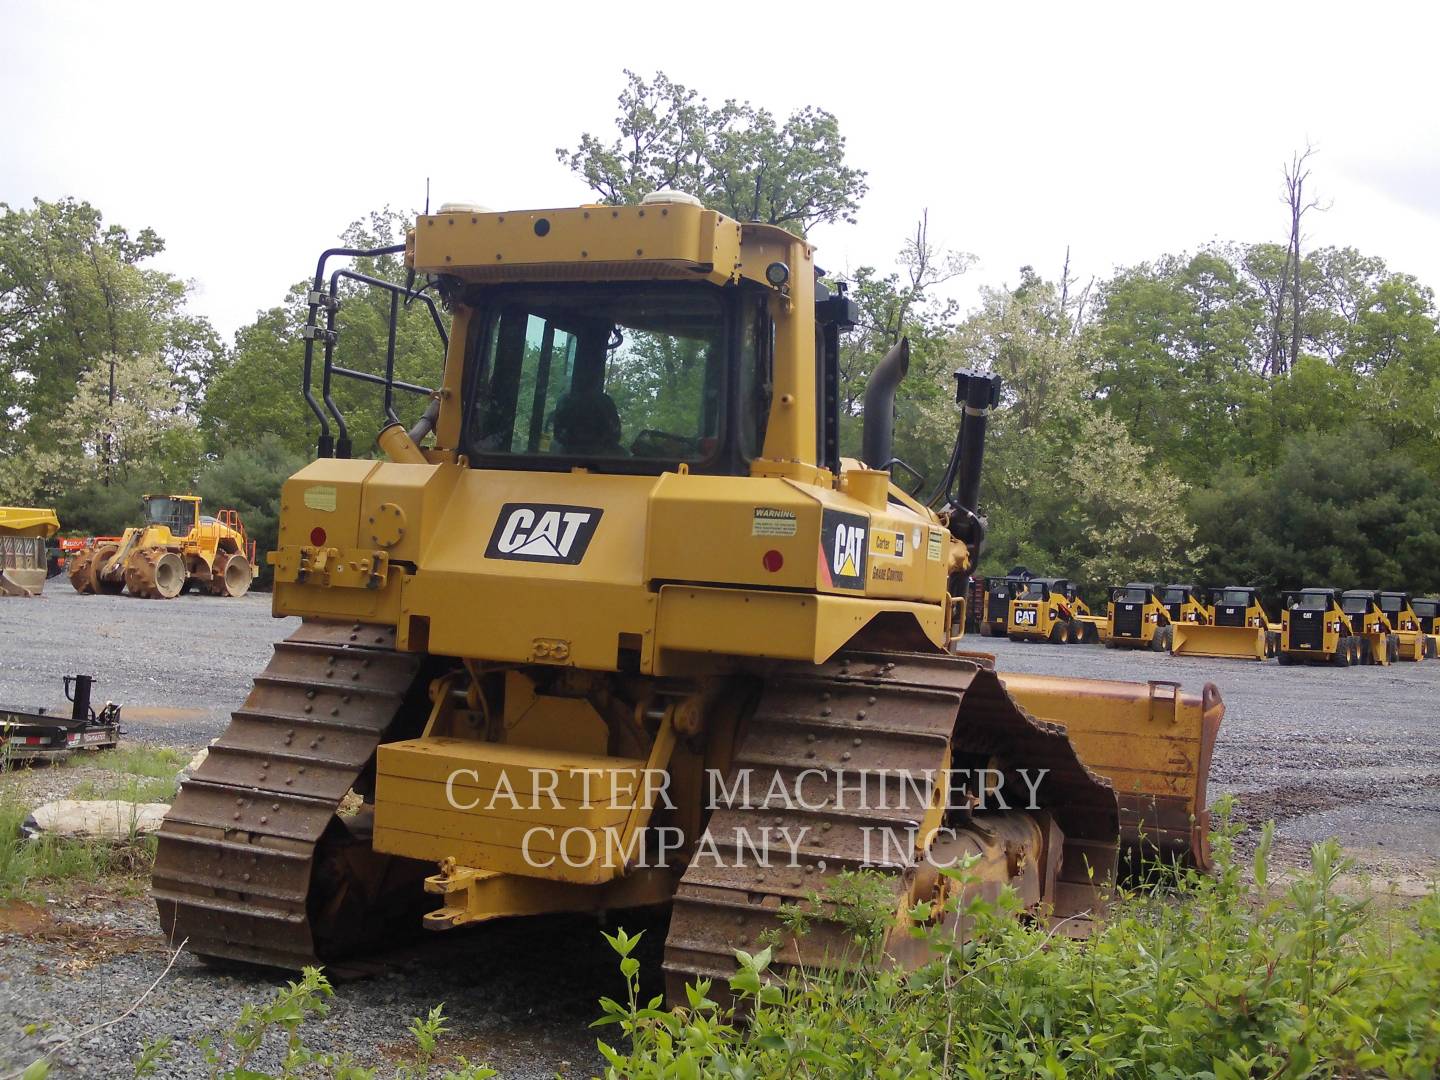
[[248, 479], [73, 290], [126, 420], [259, 393], [1066, 488], [1325, 515], [1176, 343], [734, 158]]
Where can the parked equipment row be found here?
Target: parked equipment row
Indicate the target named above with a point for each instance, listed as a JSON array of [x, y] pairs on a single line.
[[1316, 625]]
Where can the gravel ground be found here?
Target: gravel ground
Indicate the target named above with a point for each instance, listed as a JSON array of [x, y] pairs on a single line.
[[1353, 753]]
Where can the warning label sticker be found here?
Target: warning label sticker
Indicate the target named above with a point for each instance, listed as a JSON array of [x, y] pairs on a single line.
[[936, 547], [770, 521]]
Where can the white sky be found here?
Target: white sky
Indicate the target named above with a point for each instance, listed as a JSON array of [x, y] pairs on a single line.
[[250, 134]]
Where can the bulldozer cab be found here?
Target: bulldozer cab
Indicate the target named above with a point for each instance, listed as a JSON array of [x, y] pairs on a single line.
[[1399, 610], [178, 513], [1183, 603]]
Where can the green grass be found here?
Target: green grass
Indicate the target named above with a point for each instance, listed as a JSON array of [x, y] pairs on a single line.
[[35, 869], [156, 762], [140, 789]]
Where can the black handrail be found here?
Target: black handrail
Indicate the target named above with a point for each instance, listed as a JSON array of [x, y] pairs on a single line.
[[339, 445]]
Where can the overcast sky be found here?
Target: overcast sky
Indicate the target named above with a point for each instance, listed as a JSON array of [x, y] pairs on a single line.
[[250, 134]]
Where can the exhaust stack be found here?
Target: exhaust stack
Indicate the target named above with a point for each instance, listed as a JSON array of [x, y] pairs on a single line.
[[877, 440]]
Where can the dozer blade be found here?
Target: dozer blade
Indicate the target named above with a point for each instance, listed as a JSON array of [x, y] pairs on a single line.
[[1151, 740], [1224, 642]]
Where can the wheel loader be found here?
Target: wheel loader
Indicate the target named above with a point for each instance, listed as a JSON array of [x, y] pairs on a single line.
[[1241, 628], [1413, 642], [175, 550], [1137, 618], [614, 623], [23, 532], [1379, 644], [1315, 629]]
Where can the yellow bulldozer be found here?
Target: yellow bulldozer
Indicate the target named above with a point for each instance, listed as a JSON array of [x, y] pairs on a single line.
[[614, 624], [175, 550], [23, 532], [1240, 628]]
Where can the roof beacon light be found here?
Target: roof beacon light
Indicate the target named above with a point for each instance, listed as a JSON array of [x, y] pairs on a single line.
[[671, 197]]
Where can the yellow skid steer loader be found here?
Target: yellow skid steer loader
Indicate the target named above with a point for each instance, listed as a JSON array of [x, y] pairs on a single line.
[[1241, 629]]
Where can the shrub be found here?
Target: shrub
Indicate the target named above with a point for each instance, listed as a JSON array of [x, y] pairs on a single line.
[[1224, 977]]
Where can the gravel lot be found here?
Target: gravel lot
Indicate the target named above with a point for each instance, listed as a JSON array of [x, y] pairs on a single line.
[[1353, 753]]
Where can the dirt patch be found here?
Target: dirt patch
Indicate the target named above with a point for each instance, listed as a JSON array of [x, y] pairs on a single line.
[[18, 917]]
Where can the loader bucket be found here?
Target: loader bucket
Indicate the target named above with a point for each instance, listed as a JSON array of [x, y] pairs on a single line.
[[1226, 642], [1152, 741]]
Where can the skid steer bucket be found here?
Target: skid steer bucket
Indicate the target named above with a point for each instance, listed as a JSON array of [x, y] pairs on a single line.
[[1152, 741], [1226, 642]]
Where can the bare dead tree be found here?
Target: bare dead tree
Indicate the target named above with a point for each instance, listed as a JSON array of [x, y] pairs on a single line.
[[1282, 354], [1064, 323]]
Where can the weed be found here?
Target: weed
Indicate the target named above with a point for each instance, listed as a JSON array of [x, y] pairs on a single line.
[[1226, 976]]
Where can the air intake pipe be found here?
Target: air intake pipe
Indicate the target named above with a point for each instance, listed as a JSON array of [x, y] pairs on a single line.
[[877, 440], [976, 394]]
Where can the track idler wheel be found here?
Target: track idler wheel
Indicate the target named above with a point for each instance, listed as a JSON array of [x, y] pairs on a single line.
[[231, 574]]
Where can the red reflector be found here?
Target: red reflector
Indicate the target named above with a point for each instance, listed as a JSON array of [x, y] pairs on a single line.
[[773, 560], [317, 536], [34, 740]]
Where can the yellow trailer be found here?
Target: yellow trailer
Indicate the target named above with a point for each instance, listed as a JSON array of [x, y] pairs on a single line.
[[1240, 630], [23, 532]]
